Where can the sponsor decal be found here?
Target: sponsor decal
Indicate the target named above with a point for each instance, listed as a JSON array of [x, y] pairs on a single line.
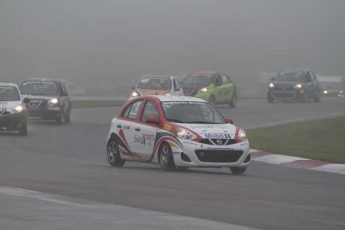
[[201, 146], [167, 127], [217, 136], [144, 139], [207, 127], [220, 148], [189, 143], [183, 102], [125, 127]]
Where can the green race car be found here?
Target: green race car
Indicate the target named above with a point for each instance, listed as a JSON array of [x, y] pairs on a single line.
[[215, 87]]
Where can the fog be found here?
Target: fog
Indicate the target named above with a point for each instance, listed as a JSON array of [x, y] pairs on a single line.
[[115, 42]]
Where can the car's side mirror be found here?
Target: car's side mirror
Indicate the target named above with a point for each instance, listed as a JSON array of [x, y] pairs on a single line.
[[132, 87], [152, 120], [26, 100], [230, 120], [272, 79], [177, 88]]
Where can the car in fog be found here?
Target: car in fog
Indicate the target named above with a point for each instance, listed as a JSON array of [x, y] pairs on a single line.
[[214, 87], [157, 85], [13, 116], [330, 90], [176, 131], [298, 85], [49, 99]]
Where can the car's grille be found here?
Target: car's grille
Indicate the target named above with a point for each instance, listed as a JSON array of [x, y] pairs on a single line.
[[37, 104], [283, 95], [218, 141], [219, 155]]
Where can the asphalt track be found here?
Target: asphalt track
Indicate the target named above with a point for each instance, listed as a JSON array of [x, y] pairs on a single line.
[[69, 161]]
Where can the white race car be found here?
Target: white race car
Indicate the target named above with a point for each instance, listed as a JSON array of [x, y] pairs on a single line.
[[176, 131]]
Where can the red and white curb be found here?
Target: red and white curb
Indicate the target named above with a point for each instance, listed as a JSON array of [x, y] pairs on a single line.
[[296, 162]]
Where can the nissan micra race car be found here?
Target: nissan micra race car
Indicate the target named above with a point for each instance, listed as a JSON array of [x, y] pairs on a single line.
[[176, 131], [12, 109]]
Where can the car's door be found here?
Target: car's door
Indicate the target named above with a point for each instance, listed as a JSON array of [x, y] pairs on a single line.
[[145, 133], [218, 83], [310, 84], [227, 88], [126, 125]]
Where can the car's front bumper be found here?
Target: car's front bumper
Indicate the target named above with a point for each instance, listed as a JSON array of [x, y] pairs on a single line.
[[196, 154], [293, 94], [12, 121], [44, 113]]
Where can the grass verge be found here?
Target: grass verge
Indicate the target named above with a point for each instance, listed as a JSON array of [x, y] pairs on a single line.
[[97, 103], [320, 140]]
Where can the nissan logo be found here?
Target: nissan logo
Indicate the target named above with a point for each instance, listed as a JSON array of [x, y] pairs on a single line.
[[219, 142]]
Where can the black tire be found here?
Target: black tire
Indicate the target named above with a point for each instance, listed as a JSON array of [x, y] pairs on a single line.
[[238, 170], [212, 100], [68, 117], [23, 131], [60, 119], [166, 160], [233, 102], [270, 98], [302, 98], [317, 97], [113, 154]]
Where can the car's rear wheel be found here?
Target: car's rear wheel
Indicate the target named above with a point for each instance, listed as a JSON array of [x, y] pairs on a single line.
[[212, 100], [24, 129], [233, 102], [113, 154], [238, 170], [270, 98], [166, 159]]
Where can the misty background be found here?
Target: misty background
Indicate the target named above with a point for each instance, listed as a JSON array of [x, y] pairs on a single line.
[[112, 43]]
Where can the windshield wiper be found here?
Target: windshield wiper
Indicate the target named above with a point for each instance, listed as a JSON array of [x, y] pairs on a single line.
[[175, 120]]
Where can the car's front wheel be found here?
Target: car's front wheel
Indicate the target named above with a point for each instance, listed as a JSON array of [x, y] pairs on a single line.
[[113, 154], [270, 98], [61, 118], [238, 170], [24, 129], [166, 159]]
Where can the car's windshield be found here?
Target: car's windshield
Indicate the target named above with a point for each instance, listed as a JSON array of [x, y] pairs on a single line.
[[9, 93], [155, 83], [197, 79], [191, 112], [39, 88], [291, 76]]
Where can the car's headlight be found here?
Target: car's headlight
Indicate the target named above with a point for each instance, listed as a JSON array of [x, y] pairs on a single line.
[[298, 86], [271, 85], [168, 94], [185, 134], [53, 101], [18, 109], [341, 92], [242, 135], [134, 94], [325, 91], [203, 90]]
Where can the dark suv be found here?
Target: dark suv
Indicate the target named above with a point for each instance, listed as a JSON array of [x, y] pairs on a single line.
[[294, 85], [49, 99]]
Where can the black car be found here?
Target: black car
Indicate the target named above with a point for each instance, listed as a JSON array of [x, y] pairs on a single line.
[[49, 99], [297, 85]]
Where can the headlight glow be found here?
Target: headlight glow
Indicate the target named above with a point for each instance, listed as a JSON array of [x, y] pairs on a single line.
[[203, 90], [18, 109], [54, 101], [271, 85], [242, 135], [298, 86], [134, 94], [185, 134], [341, 91], [325, 91], [168, 94]]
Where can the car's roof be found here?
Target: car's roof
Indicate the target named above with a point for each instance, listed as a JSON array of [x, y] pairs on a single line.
[[42, 80], [296, 70], [205, 72], [8, 84], [175, 98], [157, 76]]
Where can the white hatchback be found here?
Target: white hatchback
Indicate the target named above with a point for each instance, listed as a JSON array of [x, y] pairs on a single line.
[[176, 131]]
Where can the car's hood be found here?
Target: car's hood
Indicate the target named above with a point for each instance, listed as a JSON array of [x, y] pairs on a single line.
[[9, 104], [211, 130], [145, 92], [39, 97], [191, 90], [285, 83]]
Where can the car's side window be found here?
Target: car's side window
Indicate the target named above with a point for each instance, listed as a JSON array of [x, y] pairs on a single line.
[[132, 110], [149, 110], [225, 79], [218, 80], [63, 90]]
